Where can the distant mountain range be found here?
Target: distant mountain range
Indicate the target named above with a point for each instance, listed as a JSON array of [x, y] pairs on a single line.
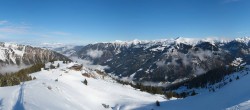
[[198, 68], [168, 60]]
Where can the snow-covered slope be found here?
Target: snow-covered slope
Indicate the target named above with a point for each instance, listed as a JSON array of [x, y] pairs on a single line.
[[233, 96], [69, 93], [11, 52], [14, 56]]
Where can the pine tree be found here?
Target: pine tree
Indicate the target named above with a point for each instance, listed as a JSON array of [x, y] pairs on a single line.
[[193, 93], [52, 66], [58, 65], [169, 95], [213, 90], [183, 94], [85, 82], [157, 103], [237, 78]]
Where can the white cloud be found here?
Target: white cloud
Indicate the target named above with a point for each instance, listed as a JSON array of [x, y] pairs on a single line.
[[95, 53], [25, 33], [186, 61], [15, 29], [12, 68], [89, 64], [199, 71], [202, 55], [2, 36], [9, 28], [51, 45], [3, 22], [160, 63]]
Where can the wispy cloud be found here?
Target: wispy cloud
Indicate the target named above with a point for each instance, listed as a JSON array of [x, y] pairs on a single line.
[[2, 36], [14, 29], [9, 28], [24, 33], [3, 22]]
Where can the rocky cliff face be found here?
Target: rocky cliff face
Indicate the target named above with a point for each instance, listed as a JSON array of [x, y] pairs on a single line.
[[164, 60], [14, 54]]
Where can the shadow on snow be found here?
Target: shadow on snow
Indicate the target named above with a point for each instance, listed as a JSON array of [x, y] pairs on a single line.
[[19, 103]]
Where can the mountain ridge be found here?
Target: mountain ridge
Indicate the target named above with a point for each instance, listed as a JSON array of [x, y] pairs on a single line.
[[164, 60], [24, 55]]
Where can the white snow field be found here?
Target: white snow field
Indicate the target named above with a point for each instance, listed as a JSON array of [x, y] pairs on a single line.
[[69, 93], [233, 96]]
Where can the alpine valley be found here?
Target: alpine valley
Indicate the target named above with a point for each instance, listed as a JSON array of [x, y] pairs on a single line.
[[162, 61], [167, 74]]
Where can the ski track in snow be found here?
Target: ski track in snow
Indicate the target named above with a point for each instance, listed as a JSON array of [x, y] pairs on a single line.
[[19, 103], [1, 102], [68, 93]]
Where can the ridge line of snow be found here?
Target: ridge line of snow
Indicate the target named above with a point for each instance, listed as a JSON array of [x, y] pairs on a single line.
[[178, 40]]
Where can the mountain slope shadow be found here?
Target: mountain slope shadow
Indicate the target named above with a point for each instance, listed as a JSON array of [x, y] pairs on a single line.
[[19, 103], [1, 104]]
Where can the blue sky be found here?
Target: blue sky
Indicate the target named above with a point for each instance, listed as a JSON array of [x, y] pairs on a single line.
[[89, 21]]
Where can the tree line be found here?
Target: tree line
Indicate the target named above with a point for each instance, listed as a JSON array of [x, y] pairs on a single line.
[[156, 90], [202, 81], [11, 79]]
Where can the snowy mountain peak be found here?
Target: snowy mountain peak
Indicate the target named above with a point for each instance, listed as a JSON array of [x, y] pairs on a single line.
[[11, 51], [10, 45], [129, 43], [243, 40], [189, 41]]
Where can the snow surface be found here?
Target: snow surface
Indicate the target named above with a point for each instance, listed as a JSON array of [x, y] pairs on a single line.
[[243, 40], [167, 42], [11, 51], [158, 49], [190, 41], [233, 96], [69, 93], [237, 62]]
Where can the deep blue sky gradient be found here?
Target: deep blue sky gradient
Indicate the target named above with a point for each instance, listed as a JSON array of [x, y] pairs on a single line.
[[88, 21]]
